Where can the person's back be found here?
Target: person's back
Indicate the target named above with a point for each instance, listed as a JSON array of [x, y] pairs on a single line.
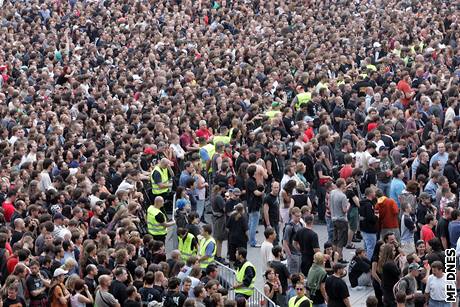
[[337, 198]]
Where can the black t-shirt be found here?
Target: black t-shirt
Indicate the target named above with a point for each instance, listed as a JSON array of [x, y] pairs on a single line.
[[357, 267], [254, 202], [131, 303], [238, 228], [18, 302], [369, 178], [350, 193], [308, 241], [300, 200], [273, 209], [390, 276], [118, 290], [174, 299], [319, 166], [337, 291], [33, 283], [442, 229], [283, 273], [230, 204]]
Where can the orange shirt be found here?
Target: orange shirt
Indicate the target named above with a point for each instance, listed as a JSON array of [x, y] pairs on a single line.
[[58, 291]]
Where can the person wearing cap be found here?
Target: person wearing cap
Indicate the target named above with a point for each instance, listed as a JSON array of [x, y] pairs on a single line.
[[336, 288], [157, 223], [161, 178], [59, 295], [408, 284], [274, 111], [360, 270]]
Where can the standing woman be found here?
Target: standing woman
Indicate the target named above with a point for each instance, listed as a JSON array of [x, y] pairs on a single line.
[[237, 226], [81, 295], [376, 274], [241, 178], [218, 217], [388, 268], [287, 202], [272, 287]]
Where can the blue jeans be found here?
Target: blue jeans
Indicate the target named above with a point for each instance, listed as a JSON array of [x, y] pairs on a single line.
[[385, 187], [253, 223], [200, 207], [330, 229], [433, 303], [370, 239]]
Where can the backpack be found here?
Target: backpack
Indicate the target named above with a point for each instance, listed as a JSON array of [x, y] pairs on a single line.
[[396, 286], [293, 232]]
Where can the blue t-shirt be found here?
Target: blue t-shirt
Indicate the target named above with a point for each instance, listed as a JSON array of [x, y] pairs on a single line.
[[396, 188]]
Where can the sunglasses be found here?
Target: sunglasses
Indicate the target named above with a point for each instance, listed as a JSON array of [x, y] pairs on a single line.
[[299, 289]]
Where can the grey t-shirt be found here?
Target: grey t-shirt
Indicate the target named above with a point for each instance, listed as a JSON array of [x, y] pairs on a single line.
[[104, 299], [408, 285], [338, 203], [289, 233]]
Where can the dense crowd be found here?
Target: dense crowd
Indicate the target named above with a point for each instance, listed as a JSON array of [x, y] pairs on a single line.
[[140, 140]]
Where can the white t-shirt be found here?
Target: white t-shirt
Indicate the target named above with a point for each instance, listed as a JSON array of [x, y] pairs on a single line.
[[266, 253], [436, 287]]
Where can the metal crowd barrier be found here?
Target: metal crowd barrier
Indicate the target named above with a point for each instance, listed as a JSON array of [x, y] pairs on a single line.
[[227, 278]]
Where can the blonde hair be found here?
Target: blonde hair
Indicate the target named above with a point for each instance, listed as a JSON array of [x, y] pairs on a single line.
[[318, 258]]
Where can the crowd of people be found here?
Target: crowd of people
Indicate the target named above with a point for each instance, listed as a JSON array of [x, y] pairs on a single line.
[[124, 123]]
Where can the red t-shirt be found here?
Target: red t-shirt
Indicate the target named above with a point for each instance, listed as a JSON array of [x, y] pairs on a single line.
[[346, 171], [9, 210], [404, 87], [426, 234], [308, 134], [11, 263], [371, 126], [203, 133]]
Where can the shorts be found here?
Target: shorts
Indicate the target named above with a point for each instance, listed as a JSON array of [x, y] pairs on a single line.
[[353, 219], [340, 235]]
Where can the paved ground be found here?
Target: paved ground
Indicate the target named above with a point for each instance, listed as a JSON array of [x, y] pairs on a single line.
[[357, 297]]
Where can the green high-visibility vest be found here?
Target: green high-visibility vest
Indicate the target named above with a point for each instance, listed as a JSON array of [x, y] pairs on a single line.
[[272, 113], [153, 227], [156, 190], [239, 279], [371, 67], [293, 303], [302, 98], [211, 150], [203, 245], [185, 247], [221, 138]]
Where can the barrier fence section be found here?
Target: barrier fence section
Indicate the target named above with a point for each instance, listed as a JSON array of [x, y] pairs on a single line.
[[227, 278]]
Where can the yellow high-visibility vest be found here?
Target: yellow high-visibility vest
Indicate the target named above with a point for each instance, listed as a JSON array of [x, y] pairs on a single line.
[[185, 247], [153, 227], [203, 245], [156, 190], [239, 279]]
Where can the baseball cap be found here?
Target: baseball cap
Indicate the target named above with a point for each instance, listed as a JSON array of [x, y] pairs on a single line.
[[235, 191], [60, 272], [373, 160], [149, 151], [308, 119], [424, 195], [338, 266], [383, 148], [275, 104], [414, 266], [58, 216]]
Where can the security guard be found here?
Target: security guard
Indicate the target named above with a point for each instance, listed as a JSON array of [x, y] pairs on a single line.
[[222, 137], [157, 223], [301, 98], [208, 247], [245, 275], [300, 300], [207, 151], [274, 111], [160, 178], [188, 244]]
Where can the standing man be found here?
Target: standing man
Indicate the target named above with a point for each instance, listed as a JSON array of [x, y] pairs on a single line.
[[245, 274], [336, 288], [161, 178], [397, 184], [300, 300], [388, 214], [208, 247], [339, 209], [272, 210], [306, 241], [368, 221], [441, 156], [254, 199], [188, 244], [156, 220], [291, 228]]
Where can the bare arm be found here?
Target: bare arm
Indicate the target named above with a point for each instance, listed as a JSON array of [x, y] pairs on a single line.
[[322, 287], [286, 248], [346, 301], [266, 217], [374, 273]]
